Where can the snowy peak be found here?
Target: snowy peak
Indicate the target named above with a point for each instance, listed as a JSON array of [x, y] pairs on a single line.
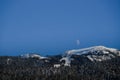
[[92, 54], [96, 53], [32, 55], [93, 50]]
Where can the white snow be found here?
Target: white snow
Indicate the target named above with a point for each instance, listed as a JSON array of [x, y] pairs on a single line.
[[67, 60], [32, 56], [91, 49], [89, 57], [9, 60], [57, 65], [96, 51]]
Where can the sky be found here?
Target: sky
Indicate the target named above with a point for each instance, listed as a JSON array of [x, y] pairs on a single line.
[[51, 27]]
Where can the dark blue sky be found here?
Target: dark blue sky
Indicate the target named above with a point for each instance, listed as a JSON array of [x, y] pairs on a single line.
[[53, 26]]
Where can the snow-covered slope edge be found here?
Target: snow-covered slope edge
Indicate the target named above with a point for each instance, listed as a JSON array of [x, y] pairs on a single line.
[[96, 53], [32, 55]]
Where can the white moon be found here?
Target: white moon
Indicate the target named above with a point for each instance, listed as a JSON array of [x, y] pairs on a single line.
[[78, 42]]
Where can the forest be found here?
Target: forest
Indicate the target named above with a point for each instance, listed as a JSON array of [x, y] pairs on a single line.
[[16, 68]]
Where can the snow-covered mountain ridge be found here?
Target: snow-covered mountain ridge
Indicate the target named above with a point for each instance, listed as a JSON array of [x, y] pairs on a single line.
[[92, 54], [32, 55], [95, 53]]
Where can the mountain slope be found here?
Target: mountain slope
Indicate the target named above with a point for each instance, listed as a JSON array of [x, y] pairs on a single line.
[[94, 63], [96, 53], [33, 55]]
